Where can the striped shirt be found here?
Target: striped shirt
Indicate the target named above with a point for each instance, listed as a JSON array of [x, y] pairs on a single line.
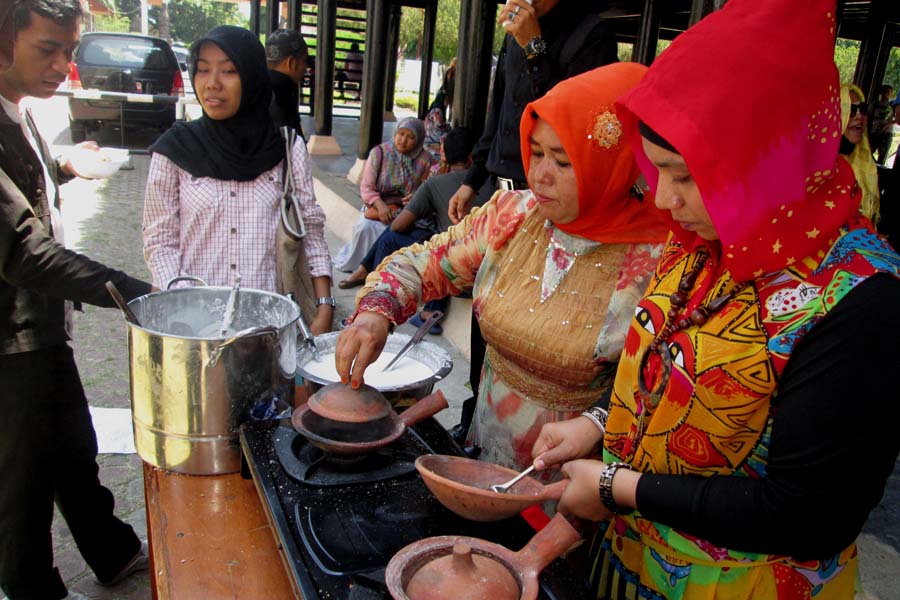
[[214, 229]]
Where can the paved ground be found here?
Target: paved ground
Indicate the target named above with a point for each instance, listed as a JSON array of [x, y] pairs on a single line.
[[103, 221]]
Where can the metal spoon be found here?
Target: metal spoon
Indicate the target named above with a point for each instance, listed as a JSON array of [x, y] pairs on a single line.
[[229, 308], [502, 488], [123, 306], [416, 338]]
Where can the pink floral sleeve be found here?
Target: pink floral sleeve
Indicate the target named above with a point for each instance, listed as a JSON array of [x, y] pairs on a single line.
[[446, 264]]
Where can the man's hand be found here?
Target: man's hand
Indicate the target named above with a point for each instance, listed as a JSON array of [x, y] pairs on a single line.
[[461, 203], [523, 24], [564, 441]]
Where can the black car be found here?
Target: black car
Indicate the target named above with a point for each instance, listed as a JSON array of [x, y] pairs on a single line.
[[123, 62]]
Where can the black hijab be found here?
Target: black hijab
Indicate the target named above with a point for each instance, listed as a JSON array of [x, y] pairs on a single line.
[[243, 146]]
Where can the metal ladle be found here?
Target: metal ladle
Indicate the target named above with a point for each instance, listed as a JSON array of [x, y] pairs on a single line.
[[122, 304], [502, 488]]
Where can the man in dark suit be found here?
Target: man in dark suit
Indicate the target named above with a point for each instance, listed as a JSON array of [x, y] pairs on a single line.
[[48, 448]]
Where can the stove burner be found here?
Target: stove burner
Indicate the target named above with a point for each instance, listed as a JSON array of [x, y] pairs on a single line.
[[309, 465]]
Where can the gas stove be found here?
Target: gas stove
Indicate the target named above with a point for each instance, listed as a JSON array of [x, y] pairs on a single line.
[[339, 522]]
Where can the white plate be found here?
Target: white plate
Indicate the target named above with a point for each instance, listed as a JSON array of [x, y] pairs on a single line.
[[99, 164]]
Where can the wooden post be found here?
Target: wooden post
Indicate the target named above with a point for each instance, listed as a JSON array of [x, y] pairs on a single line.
[[273, 13], [701, 8], [371, 120], [645, 48], [427, 57], [393, 58], [326, 27], [293, 16], [254, 16], [473, 66], [874, 50]]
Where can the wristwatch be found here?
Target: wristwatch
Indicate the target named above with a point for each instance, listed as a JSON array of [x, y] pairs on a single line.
[[606, 481], [325, 300], [535, 47]]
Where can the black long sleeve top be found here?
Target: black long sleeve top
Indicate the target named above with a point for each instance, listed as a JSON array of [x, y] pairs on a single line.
[[37, 274], [834, 442], [518, 81]]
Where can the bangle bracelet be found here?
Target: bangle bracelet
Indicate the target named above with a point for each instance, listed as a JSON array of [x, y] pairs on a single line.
[[606, 491], [598, 417]]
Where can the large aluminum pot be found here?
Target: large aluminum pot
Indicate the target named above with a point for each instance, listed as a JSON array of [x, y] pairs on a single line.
[[399, 394], [192, 387]]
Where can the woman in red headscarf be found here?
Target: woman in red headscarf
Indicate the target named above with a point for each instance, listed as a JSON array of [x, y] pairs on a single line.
[[555, 270], [752, 423]]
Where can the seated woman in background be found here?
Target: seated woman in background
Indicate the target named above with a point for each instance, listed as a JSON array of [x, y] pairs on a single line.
[[437, 125], [393, 171], [555, 271], [753, 419], [855, 148], [213, 197]]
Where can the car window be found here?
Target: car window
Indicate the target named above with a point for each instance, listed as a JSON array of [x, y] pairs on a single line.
[[135, 53]]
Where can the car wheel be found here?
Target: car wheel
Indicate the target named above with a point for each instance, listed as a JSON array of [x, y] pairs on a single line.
[[78, 130]]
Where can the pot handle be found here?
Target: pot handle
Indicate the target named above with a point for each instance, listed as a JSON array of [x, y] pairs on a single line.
[[550, 542], [555, 490], [428, 406], [244, 333], [183, 278]]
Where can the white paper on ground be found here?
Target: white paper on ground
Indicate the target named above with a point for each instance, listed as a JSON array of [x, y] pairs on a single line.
[[114, 430]]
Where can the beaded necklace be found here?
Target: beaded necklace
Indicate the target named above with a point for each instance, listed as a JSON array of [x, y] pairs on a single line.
[[675, 322]]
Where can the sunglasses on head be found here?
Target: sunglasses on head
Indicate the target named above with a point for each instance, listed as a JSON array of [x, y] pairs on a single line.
[[862, 106]]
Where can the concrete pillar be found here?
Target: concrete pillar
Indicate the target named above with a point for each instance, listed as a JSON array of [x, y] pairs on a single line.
[[427, 56]]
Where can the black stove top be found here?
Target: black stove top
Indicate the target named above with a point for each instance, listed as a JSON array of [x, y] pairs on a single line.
[[340, 522]]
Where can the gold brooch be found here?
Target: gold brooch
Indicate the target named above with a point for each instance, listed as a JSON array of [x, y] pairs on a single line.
[[607, 130]]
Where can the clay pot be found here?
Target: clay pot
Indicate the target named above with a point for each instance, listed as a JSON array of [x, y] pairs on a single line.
[[463, 485], [340, 402], [352, 439], [463, 568]]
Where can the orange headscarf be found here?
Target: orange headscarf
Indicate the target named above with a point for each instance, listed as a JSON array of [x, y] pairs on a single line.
[[582, 112]]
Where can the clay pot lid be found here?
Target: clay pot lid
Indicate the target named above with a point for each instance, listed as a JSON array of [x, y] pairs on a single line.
[[340, 402], [463, 575]]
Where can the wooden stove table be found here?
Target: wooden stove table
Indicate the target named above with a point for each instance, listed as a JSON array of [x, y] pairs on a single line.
[[210, 538]]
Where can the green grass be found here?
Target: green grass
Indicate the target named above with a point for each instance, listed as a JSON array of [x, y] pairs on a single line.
[[410, 101]]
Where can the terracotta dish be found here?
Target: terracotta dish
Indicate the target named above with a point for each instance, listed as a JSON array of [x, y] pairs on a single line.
[[462, 568], [463, 485], [351, 439], [340, 402]]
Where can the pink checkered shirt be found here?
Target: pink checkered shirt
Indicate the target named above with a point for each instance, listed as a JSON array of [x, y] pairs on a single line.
[[214, 229]]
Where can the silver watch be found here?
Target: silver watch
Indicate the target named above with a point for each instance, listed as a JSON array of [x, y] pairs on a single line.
[[535, 47], [329, 300]]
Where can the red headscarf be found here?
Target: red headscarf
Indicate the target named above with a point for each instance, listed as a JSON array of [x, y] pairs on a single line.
[[581, 111], [765, 161]]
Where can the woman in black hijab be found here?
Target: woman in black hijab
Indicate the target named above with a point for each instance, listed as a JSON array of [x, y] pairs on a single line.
[[214, 189]]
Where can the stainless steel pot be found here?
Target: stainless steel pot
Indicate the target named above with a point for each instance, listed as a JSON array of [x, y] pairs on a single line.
[[191, 387], [402, 394]]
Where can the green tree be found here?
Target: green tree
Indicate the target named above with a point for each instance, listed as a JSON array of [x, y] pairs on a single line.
[[846, 53], [446, 37], [190, 19]]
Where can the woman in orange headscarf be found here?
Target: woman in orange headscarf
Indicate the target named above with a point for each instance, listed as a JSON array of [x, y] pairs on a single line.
[[750, 429], [555, 270]]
